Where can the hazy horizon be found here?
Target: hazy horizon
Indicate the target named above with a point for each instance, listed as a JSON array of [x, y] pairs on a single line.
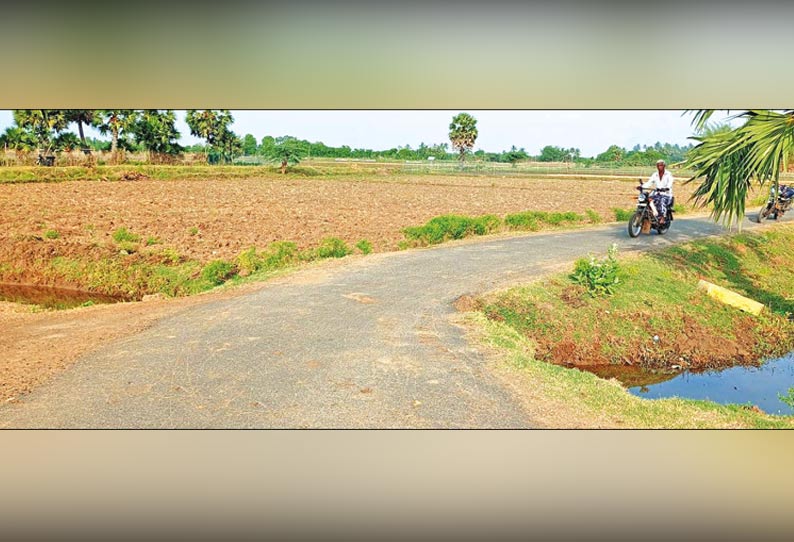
[[591, 131]]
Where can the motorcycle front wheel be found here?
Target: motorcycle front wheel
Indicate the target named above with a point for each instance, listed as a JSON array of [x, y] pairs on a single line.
[[763, 213], [635, 224]]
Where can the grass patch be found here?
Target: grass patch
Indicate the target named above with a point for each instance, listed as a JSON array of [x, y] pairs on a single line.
[[656, 295], [593, 216], [218, 271], [193, 231], [364, 246], [151, 240], [447, 227], [535, 220], [332, 247], [51, 234], [122, 235], [623, 215]]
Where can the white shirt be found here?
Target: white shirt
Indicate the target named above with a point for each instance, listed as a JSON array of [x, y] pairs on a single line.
[[665, 182]]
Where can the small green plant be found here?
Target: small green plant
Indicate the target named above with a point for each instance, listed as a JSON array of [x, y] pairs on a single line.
[[122, 235], [52, 234], [364, 246], [88, 303], [592, 216], [599, 276], [217, 272], [171, 255], [332, 247], [151, 240], [193, 231], [622, 215]]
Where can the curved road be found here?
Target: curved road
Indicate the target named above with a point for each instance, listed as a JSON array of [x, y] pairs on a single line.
[[370, 344]]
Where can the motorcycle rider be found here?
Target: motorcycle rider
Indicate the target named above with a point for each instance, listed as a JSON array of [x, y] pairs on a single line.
[[662, 181]]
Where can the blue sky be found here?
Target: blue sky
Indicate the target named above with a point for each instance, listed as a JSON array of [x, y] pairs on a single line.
[[590, 131]]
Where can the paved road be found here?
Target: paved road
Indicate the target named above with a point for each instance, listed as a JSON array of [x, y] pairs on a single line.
[[370, 345]]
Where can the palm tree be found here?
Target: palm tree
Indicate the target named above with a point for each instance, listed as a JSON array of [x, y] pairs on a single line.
[[463, 133], [727, 162], [117, 122], [88, 117], [42, 123]]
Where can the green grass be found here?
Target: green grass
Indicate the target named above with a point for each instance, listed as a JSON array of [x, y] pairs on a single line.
[[447, 227], [122, 235], [364, 246], [332, 247], [593, 216], [151, 240], [623, 215], [51, 234], [581, 399], [657, 294]]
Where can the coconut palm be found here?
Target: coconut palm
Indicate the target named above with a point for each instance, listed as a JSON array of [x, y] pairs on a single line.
[[728, 162]]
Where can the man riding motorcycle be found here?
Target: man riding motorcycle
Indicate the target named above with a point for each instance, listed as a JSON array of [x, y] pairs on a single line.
[[662, 182]]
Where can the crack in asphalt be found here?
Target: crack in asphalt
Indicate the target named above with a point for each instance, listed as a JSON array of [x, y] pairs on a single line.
[[370, 345]]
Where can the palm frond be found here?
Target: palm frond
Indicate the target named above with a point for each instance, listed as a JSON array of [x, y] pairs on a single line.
[[728, 162]]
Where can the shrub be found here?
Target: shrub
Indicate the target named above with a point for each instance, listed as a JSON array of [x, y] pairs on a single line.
[[249, 260], [123, 234], [332, 247], [364, 246], [528, 220], [622, 215], [598, 276], [592, 216], [217, 272], [279, 253], [52, 234], [555, 219], [445, 227]]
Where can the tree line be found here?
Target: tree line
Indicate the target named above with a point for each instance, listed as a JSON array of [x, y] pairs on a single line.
[[154, 132]]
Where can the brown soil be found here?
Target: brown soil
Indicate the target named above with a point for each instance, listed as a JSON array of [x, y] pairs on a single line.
[[232, 215]]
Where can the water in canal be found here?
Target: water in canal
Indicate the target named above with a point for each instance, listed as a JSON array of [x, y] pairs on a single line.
[[759, 386], [51, 298]]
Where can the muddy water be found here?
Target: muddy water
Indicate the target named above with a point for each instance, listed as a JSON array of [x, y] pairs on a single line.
[[52, 298], [759, 386]]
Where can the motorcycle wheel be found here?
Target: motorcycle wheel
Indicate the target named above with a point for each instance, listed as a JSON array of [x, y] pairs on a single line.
[[662, 228], [635, 224], [763, 213]]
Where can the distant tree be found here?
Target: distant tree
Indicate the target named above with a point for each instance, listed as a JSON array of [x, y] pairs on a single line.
[[156, 131], [67, 142], [287, 150], [213, 126], [266, 147], [514, 155], [463, 133], [43, 124], [18, 139], [226, 148], [249, 145], [119, 123], [89, 117], [550, 153], [613, 154]]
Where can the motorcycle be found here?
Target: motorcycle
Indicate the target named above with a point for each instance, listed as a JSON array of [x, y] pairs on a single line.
[[779, 202], [645, 213]]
